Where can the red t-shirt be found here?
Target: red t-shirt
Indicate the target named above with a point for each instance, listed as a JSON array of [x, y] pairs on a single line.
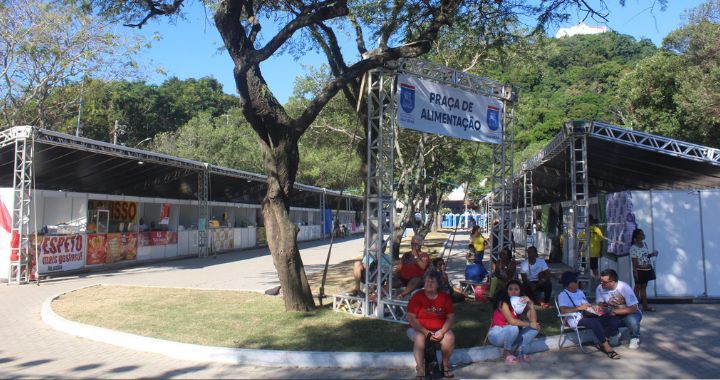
[[431, 313], [410, 268]]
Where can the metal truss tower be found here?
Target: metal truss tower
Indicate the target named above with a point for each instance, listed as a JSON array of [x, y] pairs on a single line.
[[501, 205], [580, 196], [22, 199], [380, 205], [529, 215]]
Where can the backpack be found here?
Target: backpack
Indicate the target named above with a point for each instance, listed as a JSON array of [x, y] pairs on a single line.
[[432, 367]]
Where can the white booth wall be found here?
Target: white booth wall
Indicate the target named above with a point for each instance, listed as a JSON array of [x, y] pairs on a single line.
[[684, 227], [68, 211]]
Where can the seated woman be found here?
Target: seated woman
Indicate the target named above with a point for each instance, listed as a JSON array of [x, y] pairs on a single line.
[[507, 330], [413, 266], [445, 285], [573, 300], [503, 270], [430, 315]]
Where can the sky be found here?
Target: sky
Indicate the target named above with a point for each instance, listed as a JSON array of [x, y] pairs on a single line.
[[192, 48]]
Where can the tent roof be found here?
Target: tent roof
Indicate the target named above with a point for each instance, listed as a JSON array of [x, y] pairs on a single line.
[[618, 159], [77, 164]]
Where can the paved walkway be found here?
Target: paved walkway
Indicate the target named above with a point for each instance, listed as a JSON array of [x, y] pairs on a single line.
[[678, 340]]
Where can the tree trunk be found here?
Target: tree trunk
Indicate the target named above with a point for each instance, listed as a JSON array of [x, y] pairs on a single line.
[[281, 158], [281, 237], [280, 163]]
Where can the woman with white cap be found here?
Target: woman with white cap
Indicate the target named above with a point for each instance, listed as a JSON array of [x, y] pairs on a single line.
[[413, 266]]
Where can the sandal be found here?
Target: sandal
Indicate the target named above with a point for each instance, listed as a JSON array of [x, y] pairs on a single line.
[[447, 374], [611, 354]]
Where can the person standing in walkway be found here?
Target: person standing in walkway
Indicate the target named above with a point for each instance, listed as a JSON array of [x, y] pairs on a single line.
[[620, 302], [477, 243], [431, 315], [643, 271], [596, 244]]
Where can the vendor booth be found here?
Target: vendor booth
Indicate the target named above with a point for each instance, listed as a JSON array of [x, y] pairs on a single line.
[[68, 203], [625, 179]]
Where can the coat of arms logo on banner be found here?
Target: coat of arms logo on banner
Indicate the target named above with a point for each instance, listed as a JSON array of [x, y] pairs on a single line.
[[407, 97], [493, 118]]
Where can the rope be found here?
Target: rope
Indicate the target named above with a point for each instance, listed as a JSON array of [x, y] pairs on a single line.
[[474, 156], [321, 293]]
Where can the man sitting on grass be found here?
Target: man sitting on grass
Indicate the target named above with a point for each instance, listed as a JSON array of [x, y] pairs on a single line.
[[535, 275], [359, 268]]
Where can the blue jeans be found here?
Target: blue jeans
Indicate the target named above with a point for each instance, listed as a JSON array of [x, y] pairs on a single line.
[[511, 337], [632, 322]]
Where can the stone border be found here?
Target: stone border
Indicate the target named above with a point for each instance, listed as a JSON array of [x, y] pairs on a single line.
[[194, 352]]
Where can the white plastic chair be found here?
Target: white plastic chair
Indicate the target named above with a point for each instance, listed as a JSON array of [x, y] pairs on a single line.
[[565, 326]]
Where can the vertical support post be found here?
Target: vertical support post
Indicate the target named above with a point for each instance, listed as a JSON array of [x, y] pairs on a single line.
[[529, 216], [580, 197], [380, 205], [19, 272], [501, 177], [322, 213], [203, 212], [702, 247]]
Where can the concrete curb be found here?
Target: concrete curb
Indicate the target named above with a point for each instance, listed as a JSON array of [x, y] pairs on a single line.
[[194, 352]]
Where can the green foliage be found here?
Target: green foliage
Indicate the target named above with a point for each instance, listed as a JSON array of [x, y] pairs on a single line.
[[142, 110], [224, 140], [44, 46], [675, 92]]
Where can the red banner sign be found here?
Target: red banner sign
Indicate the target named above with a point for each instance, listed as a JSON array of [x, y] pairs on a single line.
[[111, 248], [120, 247], [158, 238], [96, 251]]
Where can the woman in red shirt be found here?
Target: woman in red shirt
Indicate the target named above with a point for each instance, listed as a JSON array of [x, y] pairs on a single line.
[[430, 315], [413, 266]]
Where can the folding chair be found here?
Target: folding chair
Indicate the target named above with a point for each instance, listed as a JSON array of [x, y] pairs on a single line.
[[565, 326]]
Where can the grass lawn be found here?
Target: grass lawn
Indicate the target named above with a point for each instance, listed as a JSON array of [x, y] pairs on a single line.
[[253, 320]]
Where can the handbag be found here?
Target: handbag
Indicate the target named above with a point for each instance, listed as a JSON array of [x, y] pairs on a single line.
[[650, 270], [574, 318]]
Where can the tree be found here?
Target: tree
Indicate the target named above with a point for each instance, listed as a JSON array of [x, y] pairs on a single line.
[[674, 92], [402, 29], [225, 140], [45, 45]]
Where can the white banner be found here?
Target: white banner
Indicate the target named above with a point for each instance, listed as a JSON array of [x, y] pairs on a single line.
[[443, 110], [60, 253]]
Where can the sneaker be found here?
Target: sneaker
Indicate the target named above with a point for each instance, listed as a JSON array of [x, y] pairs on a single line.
[[634, 343], [615, 340]]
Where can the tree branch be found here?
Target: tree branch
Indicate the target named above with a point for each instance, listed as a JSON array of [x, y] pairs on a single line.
[[320, 12], [378, 58], [156, 8], [359, 38]]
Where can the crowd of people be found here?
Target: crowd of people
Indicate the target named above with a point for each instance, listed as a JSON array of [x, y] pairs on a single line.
[[516, 291]]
